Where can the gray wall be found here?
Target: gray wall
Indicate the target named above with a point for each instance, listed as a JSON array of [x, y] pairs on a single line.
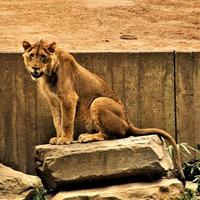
[[159, 89]]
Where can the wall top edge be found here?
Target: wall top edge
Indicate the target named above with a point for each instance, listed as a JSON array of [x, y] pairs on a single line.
[[104, 52]]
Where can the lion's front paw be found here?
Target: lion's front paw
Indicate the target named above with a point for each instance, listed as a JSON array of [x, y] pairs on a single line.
[[53, 140], [84, 138], [62, 141]]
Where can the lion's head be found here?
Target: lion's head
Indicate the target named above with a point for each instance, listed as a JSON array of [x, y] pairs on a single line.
[[39, 58]]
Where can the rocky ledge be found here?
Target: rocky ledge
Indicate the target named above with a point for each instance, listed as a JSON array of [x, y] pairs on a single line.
[[106, 162]]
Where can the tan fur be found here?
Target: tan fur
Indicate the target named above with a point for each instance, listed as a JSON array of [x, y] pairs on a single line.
[[83, 106]]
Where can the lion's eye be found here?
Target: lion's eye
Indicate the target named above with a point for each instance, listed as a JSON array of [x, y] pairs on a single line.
[[31, 56], [43, 58]]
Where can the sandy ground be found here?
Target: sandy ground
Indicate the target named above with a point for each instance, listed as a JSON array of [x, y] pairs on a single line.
[[102, 25]]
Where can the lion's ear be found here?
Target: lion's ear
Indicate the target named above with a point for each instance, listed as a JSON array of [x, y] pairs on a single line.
[[26, 45], [51, 47]]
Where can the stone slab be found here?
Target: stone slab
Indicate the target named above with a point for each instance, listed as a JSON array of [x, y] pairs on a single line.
[[166, 189], [145, 157]]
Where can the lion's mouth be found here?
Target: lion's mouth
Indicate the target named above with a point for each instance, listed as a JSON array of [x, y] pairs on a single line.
[[36, 74]]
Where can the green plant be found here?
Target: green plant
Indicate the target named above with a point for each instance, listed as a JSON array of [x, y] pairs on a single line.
[[197, 178], [192, 170], [183, 148], [39, 194], [188, 194]]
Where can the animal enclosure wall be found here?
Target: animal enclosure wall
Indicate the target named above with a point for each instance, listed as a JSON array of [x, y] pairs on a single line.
[[158, 89]]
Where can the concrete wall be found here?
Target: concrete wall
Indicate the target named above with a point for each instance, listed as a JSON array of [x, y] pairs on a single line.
[[158, 89]]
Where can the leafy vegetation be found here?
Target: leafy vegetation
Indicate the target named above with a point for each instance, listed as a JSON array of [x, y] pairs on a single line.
[[191, 169], [40, 194], [188, 194], [192, 172], [183, 148]]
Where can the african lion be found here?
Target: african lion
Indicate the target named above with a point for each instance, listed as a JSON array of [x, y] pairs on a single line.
[[83, 106]]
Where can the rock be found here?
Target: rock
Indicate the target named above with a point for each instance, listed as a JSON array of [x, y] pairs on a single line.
[[17, 185], [128, 37], [166, 189], [102, 162]]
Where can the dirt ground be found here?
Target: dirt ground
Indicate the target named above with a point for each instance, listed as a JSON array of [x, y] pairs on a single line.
[[102, 25]]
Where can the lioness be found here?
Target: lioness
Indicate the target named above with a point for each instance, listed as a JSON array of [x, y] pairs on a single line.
[[83, 106]]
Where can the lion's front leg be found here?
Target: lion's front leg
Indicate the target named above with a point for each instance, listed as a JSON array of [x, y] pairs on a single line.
[[56, 114], [68, 111]]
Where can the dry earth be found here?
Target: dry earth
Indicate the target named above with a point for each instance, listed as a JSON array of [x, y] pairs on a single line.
[[102, 25]]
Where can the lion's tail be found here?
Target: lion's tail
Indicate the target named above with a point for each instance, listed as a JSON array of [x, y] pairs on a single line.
[[149, 131]]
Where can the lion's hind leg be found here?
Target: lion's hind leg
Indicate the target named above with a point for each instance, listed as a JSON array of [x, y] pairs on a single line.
[[108, 118]]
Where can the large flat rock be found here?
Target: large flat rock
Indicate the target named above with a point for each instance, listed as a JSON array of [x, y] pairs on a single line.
[[17, 185], [160, 190], [107, 161]]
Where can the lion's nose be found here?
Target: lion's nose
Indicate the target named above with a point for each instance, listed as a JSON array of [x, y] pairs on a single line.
[[35, 68]]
